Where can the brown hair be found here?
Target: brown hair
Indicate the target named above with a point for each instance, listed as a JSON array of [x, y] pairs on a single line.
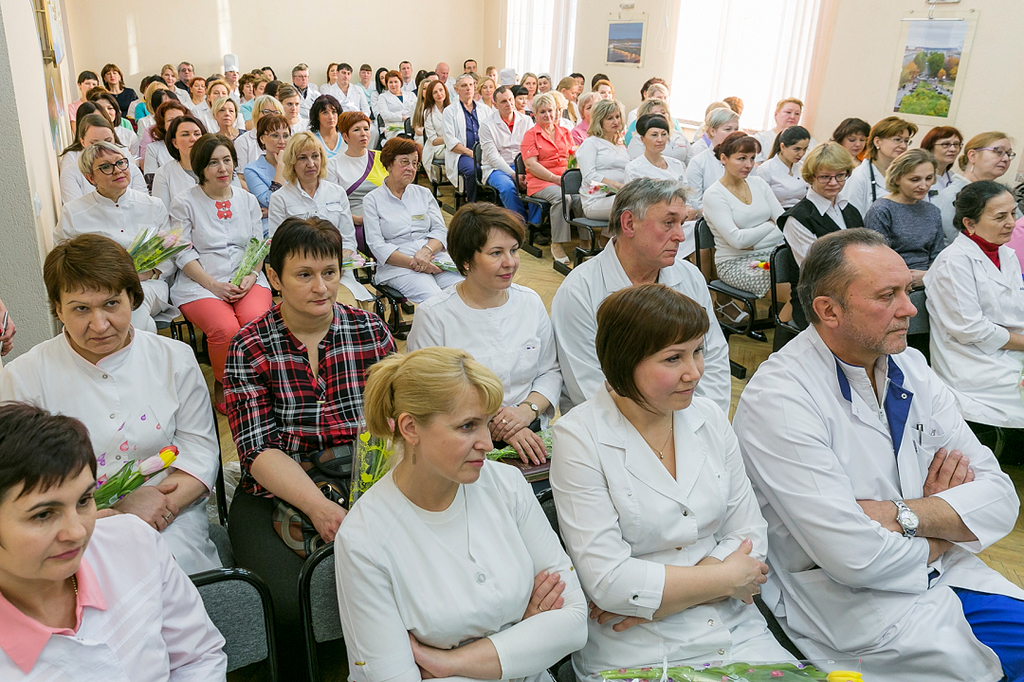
[[172, 132], [472, 225], [904, 164], [635, 323], [392, 74], [398, 146], [90, 262], [347, 119], [160, 117], [890, 126], [202, 152], [939, 133], [269, 124], [736, 143]]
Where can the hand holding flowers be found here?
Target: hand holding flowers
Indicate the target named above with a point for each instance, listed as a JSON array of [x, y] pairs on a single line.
[[149, 250]]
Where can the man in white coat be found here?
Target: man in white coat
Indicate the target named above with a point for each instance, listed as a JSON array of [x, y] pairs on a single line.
[[876, 493], [500, 138], [646, 227], [462, 122], [350, 97], [308, 92]]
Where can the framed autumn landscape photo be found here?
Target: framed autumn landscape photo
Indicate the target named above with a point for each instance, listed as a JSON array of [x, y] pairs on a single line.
[[932, 57]]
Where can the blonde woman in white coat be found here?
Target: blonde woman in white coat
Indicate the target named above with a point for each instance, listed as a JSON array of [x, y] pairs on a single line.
[[603, 159], [447, 567], [429, 117], [976, 313], [653, 503]]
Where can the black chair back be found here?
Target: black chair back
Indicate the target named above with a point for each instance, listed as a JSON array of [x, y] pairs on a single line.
[[239, 604], [572, 180], [318, 604], [408, 128]]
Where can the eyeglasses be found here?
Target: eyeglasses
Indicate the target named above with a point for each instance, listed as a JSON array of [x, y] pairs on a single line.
[[900, 141], [405, 162], [827, 179], [1008, 153], [108, 168], [267, 112], [949, 145]]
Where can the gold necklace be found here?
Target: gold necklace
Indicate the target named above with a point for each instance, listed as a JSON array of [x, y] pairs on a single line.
[[661, 453], [74, 584]]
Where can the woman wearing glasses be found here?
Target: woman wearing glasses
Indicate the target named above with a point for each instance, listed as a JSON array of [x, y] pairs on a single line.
[[889, 138], [986, 156], [945, 143], [247, 147]]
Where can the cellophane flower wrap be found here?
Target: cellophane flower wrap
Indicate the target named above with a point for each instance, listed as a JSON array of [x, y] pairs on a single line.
[[509, 452], [149, 249], [256, 251], [601, 188], [355, 261], [132, 475], [738, 672], [445, 262], [372, 457]]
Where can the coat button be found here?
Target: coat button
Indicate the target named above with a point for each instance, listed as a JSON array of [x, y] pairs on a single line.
[[111, 416], [679, 549], [721, 652], [629, 494], [481, 578], [711, 622], [104, 376], [686, 513]]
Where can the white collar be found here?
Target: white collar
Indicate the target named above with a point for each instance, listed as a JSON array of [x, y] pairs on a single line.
[[823, 204]]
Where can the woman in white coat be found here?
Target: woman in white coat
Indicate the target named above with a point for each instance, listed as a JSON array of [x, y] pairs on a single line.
[[782, 169], [173, 178], [395, 105], [429, 116], [447, 566], [976, 313], [889, 138], [704, 169], [603, 159], [653, 502]]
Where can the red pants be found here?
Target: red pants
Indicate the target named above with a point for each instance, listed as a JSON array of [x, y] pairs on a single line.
[[220, 320]]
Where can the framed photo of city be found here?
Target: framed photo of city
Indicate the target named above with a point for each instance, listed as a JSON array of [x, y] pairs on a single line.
[[626, 41], [929, 78]]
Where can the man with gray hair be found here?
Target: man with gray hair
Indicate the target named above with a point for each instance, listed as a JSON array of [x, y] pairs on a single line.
[[308, 92], [646, 228], [876, 493], [186, 73]]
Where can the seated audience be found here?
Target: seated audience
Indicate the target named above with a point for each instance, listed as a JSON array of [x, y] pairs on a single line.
[[853, 134], [307, 194], [567, 86], [215, 89], [603, 88], [117, 211], [782, 168], [175, 177], [653, 132], [677, 146], [83, 594], [196, 99], [291, 103], [247, 91], [705, 169], [404, 229], [113, 81], [504, 326], [156, 154], [87, 80], [501, 138], [247, 145], [876, 493], [911, 226], [395, 105], [462, 121], [350, 96], [523, 102], [976, 317], [220, 219], [543, 82], [529, 81], [429, 116], [602, 158], [447, 566], [632, 490], [986, 156], [99, 366], [265, 175], [89, 129], [701, 137], [787, 115], [485, 95], [282, 422], [653, 88], [225, 114], [306, 91], [323, 122], [186, 73], [646, 228], [358, 170], [945, 143], [545, 150], [889, 138], [584, 104], [107, 105], [405, 73], [742, 213], [380, 87], [366, 81], [145, 109]]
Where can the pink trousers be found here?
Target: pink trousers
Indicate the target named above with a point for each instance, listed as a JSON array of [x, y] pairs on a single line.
[[220, 320]]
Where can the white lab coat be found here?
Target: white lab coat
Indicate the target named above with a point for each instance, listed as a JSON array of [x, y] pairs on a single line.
[[394, 111], [499, 146], [171, 180], [247, 149], [624, 518], [640, 167], [405, 225], [677, 147], [433, 128], [703, 171], [127, 138], [156, 156], [858, 187], [154, 628], [73, 184], [787, 183], [972, 308], [599, 159], [455, 133], [355, 100], [574, 318], [840, 584], [305, 103], [453, 576]]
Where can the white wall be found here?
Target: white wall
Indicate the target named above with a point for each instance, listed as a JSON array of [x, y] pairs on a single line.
[[275, 33]]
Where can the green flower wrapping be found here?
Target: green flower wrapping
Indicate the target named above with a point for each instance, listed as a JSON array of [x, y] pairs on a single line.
[[508, 452], [740, 672], [371, 459], [256, 251]]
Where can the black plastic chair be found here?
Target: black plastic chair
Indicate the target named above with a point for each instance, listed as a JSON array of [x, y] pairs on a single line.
[[572, 181], [409, 132], [381, 129], [783, 269], [239, 604], [482, 189], [532, 229], [388, 299], [318, 605]]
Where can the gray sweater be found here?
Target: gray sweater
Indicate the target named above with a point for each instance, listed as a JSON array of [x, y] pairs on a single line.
[[913, 230]]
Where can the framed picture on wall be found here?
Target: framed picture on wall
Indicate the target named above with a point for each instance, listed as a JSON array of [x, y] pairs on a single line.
[[929, 75], [626, 38]]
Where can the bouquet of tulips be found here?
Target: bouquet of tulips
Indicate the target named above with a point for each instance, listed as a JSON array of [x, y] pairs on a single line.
[[759, 265], [132, 475], [600, 187], [741, 672], [445, 263], [371, 459], [149, 250], [509, 452], [355, 261], [573, 162], [256, 251]]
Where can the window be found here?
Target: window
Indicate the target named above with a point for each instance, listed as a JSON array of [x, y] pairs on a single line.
[[541, 37], [758, 50]]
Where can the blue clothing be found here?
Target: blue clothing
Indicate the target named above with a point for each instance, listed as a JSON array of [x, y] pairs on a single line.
[[140, 111], [998, 623], [331, 153], [472, 124], [467, 169], [897, 401], [246, 110], [259, 178], [507, 192]]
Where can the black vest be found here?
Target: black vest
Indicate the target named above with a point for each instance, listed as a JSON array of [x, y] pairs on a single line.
[[807, 214]]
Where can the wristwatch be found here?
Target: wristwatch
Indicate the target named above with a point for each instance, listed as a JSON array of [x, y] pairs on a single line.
[[907, 519], [533, 406]]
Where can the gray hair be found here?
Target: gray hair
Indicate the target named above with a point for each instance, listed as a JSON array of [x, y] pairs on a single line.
[[638, 196], [827, 271], [92, 152], [464, 77], [717, 118]]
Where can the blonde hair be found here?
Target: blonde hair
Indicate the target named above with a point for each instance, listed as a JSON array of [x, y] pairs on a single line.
[[830, 156], [147, 96], [560, 101], [298, 143], [216, 81], [599, 113], [582, 101], [480, 85], [424, 384], [980, 141], [543, 98], [788, 100], [905, 163], [717, 118], [648, 104], [222, 102], [261, 103]]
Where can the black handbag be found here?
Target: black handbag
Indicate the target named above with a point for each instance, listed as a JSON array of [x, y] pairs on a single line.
[[331, 470]]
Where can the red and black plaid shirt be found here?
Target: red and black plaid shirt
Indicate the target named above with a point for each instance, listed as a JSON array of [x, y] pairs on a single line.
[[273, 401]]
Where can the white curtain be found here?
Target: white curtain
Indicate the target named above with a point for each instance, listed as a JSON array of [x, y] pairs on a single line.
[[541, 37], [758, 50]]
